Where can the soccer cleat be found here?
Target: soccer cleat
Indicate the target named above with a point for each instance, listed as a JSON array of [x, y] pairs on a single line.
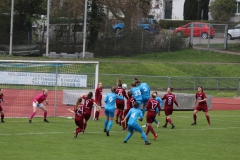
[[155, 137], [209, 125], [107, 133], [116, 121], [144, 125], [104, 130], [125, 142], [45, 120], [147, 143], [194, 123], [164, 126], [2, 121], [124, 130], [30, 121], [173, 126], [158, 125], [120, 124]]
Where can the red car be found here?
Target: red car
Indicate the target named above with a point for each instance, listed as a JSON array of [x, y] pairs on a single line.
[[200, 29]]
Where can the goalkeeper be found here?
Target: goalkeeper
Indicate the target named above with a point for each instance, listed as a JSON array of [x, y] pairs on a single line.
[[133, 115], [37, 102]]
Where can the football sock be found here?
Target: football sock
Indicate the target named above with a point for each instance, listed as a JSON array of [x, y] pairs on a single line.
[[166, 122], [195, 118], [143, 111], [147, 131], [169, 120], [117, 115], [96, 114], [45, 115], [144, 136], [2, 117], [155, 120], [123, 125], [152, 130], [105, 123], [84, 126], [208, 119], [33, 113], [110, 125], [128, 137]]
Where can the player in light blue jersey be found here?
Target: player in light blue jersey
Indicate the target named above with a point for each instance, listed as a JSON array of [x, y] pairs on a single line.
[[133, 115], [145, 92], [136, 93], [161, 102], [109, 109]]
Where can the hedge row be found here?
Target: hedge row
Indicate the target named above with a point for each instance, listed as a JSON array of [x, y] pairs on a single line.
[[167, 24]]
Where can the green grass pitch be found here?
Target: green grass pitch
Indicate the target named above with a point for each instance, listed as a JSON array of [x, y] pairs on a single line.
[[49, 141]]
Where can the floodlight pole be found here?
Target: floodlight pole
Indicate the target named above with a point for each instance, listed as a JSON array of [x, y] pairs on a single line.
[[47, 36], [11, 27], [85, 29]]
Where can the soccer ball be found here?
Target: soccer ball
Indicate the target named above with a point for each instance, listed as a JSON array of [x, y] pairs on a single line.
[[124, 86]]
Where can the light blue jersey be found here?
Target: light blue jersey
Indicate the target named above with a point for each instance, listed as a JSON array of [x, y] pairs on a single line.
[[136, 93], [110, 100], [133, 115], [145, 90], [161, 102]]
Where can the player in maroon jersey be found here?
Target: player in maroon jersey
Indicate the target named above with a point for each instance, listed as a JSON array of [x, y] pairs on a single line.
[[152, 106], [98, 100], [79, 116], [2, 100], [201, 98], [38, 102], [169, 98], [88, 104], [120, 103], [130, 103]]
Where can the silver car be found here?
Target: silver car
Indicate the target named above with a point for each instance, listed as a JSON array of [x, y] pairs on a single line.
[[234, 33]]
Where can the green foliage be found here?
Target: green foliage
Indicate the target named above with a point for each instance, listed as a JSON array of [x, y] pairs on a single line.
[[190, 10], [21, 140], [221, 10]]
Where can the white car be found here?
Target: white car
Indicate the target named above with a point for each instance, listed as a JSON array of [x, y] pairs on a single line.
[[234, 33]]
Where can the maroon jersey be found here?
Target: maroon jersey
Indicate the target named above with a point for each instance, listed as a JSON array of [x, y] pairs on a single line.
[[1, 98], [98, 96], [152, 105], [170, 99], [121, 92], [201, 96], [130, 102], [79, 112], [88, 103]]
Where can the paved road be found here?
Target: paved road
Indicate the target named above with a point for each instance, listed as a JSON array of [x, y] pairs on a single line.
[[198, 40]]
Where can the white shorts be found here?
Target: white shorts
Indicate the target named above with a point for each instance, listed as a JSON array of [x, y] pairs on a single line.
[[40, 105]]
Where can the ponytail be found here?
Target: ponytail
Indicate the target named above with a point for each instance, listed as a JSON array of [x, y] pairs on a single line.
[[119, 83]]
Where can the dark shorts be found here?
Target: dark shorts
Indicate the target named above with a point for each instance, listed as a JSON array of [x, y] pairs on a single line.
[[79, 121], [203, 108], [1, 108], [168, 110], [87, 115], [120, 106], [151, 117]]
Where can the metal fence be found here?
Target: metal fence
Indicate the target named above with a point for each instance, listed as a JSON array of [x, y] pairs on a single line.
[[178, 83]]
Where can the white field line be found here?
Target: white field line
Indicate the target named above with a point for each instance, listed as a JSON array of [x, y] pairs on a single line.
[[162, 130]]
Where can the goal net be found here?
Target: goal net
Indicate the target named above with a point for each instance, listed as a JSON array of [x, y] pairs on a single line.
[[23, 80]]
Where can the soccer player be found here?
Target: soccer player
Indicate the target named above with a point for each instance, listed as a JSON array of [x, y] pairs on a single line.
[[169, 98], [2, 100], [130, 103], [98, 100], [109, 109], [136, 93], [145, 92], [120, 103], [201, 98], [37, 102], [79, 116], [88, 104], [157, 110], [152, 106], [133, 115]]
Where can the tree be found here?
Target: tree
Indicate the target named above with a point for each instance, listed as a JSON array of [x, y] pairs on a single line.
[[128, 11], [221, 10], [190, 10], [204, 8]]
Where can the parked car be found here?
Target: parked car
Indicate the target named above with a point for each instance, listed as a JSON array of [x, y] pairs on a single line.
[[147, 24], [234, 33], [200, 29]]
